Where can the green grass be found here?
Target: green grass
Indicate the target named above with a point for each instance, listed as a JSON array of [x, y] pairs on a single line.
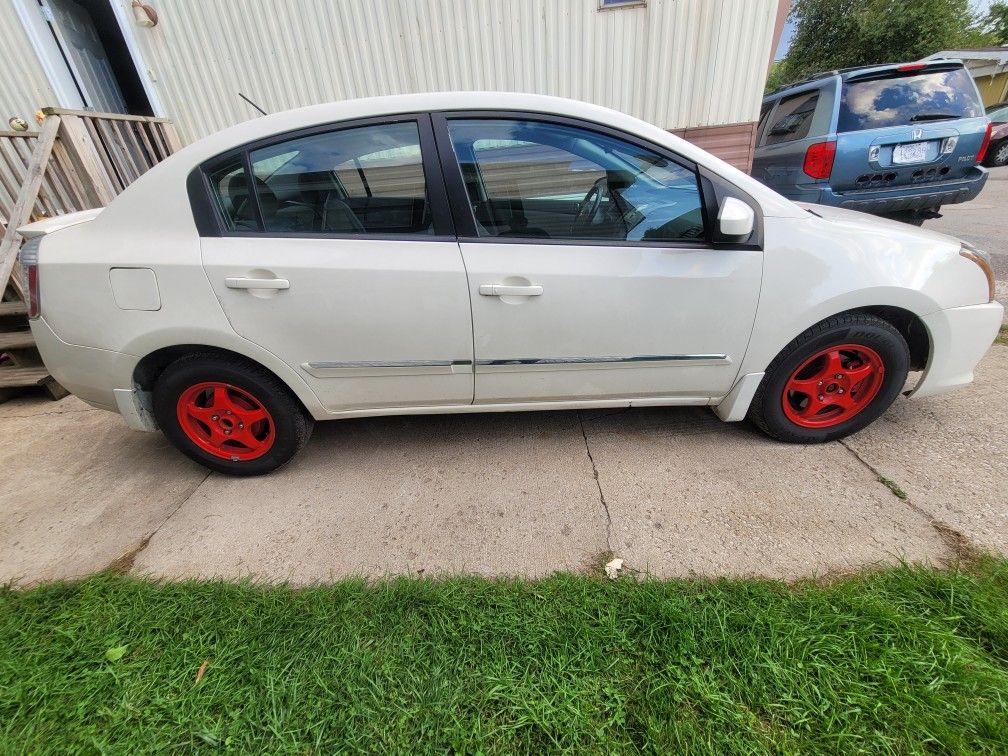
[[1002, 337], [903, 660]]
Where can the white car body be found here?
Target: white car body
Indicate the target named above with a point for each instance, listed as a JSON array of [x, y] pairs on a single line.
[[372, 326]]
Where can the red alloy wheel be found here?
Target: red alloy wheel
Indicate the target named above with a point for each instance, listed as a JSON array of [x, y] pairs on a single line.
[[225, 421], [833, 385]]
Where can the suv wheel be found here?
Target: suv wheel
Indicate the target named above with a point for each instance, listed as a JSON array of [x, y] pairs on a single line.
[[999, 154], [229, 415], [831, 381]]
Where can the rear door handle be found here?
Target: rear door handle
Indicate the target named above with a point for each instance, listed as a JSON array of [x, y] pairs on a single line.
[[504, 290], [257, 283]]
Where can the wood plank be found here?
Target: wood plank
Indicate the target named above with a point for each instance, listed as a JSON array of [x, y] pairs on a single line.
[[12, 377], [26, 198], [16, 340], [88, 160], [170, 135], [13, 308], [104, 116]]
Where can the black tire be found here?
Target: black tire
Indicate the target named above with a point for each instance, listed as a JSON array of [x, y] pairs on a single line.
[[767, 409], [291, 424], [997, 154]]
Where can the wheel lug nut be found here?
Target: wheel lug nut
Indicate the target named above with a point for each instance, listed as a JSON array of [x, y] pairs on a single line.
[[838, 376], [820, 383], [227, 432], [839, 391], [241, 425], [215, 418], [821, 397]]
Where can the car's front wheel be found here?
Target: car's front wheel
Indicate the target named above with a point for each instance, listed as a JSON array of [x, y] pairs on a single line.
[[832, 380], [229, 415]]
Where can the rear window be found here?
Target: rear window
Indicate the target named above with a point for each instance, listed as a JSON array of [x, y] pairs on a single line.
[[793, 118], [902, 98]]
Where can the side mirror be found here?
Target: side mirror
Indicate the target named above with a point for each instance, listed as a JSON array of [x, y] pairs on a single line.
[[735, 218]]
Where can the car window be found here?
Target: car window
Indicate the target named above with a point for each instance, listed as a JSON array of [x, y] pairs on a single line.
[[229, 186], [793, 118], [998, 115], [765, 110], [364, 180], [538, 180], [899, 98]]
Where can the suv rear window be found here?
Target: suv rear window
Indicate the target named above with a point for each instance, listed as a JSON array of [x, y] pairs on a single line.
[[793, 118], [900, 98]]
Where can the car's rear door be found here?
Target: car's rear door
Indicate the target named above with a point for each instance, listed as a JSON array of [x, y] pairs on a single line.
[[343, 262], [906, 126], [590, 273]]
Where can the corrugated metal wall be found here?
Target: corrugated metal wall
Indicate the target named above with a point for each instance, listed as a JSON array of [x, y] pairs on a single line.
[[676, 63], [24, 87]]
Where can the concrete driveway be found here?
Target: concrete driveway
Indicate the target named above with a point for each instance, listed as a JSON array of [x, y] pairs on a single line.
[[671, 491]]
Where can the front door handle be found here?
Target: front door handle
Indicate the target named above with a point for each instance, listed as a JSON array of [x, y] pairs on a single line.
[[257, 283], [506, 290]]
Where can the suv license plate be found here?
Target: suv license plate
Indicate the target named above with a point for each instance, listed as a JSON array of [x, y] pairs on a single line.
[[910, 153]]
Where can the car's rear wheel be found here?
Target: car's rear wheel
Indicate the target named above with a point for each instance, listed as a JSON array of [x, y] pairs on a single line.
[[832, 380], [229, 415], [998, 154]]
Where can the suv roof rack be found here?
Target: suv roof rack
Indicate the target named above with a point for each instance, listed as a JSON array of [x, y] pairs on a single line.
[[852, 69]]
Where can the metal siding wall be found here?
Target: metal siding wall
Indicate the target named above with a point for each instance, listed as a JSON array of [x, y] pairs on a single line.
[[676, 63], [24, 87]]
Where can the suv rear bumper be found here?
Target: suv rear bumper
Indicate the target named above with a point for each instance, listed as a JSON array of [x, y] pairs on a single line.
[[907, 198]]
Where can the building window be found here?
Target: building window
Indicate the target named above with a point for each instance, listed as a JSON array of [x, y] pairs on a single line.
[[604, 4]]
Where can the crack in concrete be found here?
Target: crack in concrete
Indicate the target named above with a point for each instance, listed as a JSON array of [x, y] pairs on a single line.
[[962, 550], [124, 564], [598, 484]]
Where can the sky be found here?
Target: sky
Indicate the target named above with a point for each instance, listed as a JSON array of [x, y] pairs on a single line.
[[980, 6]]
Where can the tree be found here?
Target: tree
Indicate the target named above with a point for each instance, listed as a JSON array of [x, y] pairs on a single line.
[[833, 34], [996, 23]]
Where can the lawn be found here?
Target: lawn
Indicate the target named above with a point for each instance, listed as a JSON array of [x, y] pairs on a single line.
[[908, 659]]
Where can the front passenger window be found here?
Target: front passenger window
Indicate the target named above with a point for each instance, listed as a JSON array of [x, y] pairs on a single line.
[[541, 180]]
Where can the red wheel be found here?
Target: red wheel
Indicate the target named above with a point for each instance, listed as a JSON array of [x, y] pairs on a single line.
[[225, 421], [833, 385]]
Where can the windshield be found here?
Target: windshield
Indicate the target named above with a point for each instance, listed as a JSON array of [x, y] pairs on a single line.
[[901, 98]]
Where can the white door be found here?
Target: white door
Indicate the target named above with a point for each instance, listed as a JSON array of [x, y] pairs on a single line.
[[85, 55], [336, 267], [589, 273]]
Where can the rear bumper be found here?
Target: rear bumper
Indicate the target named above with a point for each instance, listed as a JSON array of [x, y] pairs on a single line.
[[908, 198], [960, 337], [86, 372]]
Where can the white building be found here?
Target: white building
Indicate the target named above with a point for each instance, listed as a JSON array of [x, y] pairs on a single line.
[[697, 67]]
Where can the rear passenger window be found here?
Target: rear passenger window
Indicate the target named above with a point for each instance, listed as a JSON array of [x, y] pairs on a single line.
[[229, 184], [793, 118], [365, 180]]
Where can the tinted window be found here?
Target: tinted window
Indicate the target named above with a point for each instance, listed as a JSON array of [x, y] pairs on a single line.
[[764, 116], [229, 186], [353, 181], [905, 97], [540, 180], [793, 118], [998, 114]]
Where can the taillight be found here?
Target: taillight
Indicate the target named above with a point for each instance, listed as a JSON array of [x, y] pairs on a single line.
[[29, 267], [982, 152], [819, 160]]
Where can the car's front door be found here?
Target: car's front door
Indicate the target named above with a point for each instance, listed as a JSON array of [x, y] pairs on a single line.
[[590, 273], [342, 262]]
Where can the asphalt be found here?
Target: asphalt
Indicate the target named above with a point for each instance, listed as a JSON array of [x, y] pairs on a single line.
[[671, 491]]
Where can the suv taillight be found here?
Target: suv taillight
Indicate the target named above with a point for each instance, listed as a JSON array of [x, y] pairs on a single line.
[[819, 160], [29, 267], [982, 152]]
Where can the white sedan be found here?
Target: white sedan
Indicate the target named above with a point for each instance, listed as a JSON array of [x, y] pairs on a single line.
[[485, 252]]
